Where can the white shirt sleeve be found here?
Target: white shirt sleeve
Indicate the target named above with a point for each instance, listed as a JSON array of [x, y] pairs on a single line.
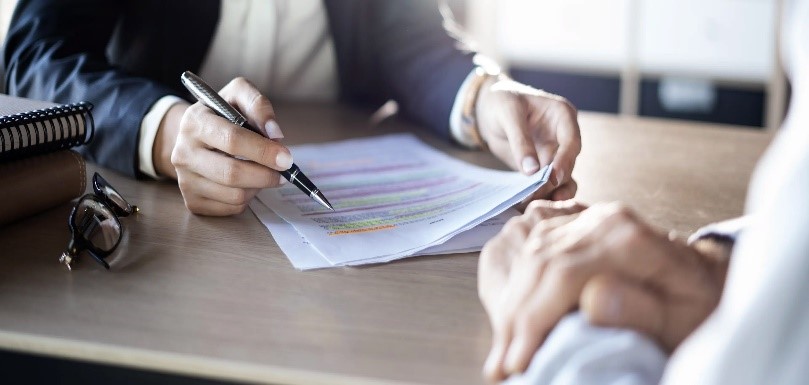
[[148, 131], [729, 229], [759, 334], [455, 125], [578, 353]]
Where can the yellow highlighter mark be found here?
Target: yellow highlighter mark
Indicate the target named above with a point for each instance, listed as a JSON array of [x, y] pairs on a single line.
[[363, 230]]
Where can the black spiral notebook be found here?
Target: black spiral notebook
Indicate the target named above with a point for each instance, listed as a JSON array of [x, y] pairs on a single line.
[[31, 127]]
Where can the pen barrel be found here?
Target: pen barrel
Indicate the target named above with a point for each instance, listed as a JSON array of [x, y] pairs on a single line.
[[296, 177], [211, 99]]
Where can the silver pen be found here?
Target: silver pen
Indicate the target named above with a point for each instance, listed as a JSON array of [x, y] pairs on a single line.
[[210, 98]]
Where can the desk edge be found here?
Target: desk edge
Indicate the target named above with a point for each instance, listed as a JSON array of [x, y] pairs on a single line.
[[174, 363]]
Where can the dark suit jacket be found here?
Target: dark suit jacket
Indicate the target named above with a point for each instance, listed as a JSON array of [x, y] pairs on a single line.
[[124, 55]]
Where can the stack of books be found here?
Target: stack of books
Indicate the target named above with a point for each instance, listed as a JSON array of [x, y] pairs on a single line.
[[38, 169]]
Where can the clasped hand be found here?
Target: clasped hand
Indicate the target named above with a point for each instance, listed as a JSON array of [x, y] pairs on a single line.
[[603, 260]]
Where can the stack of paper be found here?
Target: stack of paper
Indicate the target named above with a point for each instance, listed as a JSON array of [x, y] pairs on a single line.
[[394, 197]]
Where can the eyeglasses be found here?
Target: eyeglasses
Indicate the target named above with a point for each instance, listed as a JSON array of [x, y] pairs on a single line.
[[94, 223]]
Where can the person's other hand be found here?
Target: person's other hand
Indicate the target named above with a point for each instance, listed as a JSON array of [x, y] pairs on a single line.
[[528, 129], [498, 253], [219, 166], [619, 272]]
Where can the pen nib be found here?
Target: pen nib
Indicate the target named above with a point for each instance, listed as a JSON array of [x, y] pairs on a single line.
[[320, 198]]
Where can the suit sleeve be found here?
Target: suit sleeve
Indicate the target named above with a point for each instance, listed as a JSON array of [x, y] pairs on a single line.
[[56, 51], [399, 50]]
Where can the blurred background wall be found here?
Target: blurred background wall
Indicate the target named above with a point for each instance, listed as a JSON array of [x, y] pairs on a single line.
[[708, 60]]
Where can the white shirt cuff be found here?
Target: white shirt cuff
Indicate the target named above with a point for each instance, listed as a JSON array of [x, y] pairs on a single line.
[[576, 352], [455, 125], [148, 131], [729, 229]]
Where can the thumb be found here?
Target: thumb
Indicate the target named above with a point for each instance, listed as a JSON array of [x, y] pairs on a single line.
[[514, 123], [568, 139], [613, 302]]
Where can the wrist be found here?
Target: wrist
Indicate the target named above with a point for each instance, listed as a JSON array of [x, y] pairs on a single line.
[[165, 140], [475, 102], [483, 100]]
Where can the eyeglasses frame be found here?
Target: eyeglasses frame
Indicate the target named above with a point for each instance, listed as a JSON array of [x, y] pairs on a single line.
[[78, 242]]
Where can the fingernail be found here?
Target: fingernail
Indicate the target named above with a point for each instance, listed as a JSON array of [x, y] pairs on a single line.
[[273, 131], [529, 165], [283, 160], [281, 180]]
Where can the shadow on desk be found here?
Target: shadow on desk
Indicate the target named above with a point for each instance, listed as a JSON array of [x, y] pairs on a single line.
[[25, 369]]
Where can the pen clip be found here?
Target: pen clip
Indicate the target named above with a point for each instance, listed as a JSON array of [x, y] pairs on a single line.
[[210, 98]]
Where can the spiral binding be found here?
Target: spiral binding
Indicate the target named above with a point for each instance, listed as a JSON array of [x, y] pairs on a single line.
[[46, 130]]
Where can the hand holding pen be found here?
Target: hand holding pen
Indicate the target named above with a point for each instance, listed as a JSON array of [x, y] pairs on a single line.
[[221, 166], [212, 100]]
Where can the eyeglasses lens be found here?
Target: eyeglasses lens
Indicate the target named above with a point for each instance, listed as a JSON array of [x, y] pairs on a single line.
[[96, 224], [116, 198], [112, 196]]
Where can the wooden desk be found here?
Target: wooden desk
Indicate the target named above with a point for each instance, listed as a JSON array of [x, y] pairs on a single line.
[[215, 297]]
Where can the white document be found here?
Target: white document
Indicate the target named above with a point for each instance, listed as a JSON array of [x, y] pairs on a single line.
[[304, 257], [393, 197]]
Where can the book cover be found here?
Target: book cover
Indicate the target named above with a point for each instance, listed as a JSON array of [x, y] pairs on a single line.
[[37, 183]]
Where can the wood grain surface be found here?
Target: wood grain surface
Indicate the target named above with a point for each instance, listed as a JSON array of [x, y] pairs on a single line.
[[215, 297]]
